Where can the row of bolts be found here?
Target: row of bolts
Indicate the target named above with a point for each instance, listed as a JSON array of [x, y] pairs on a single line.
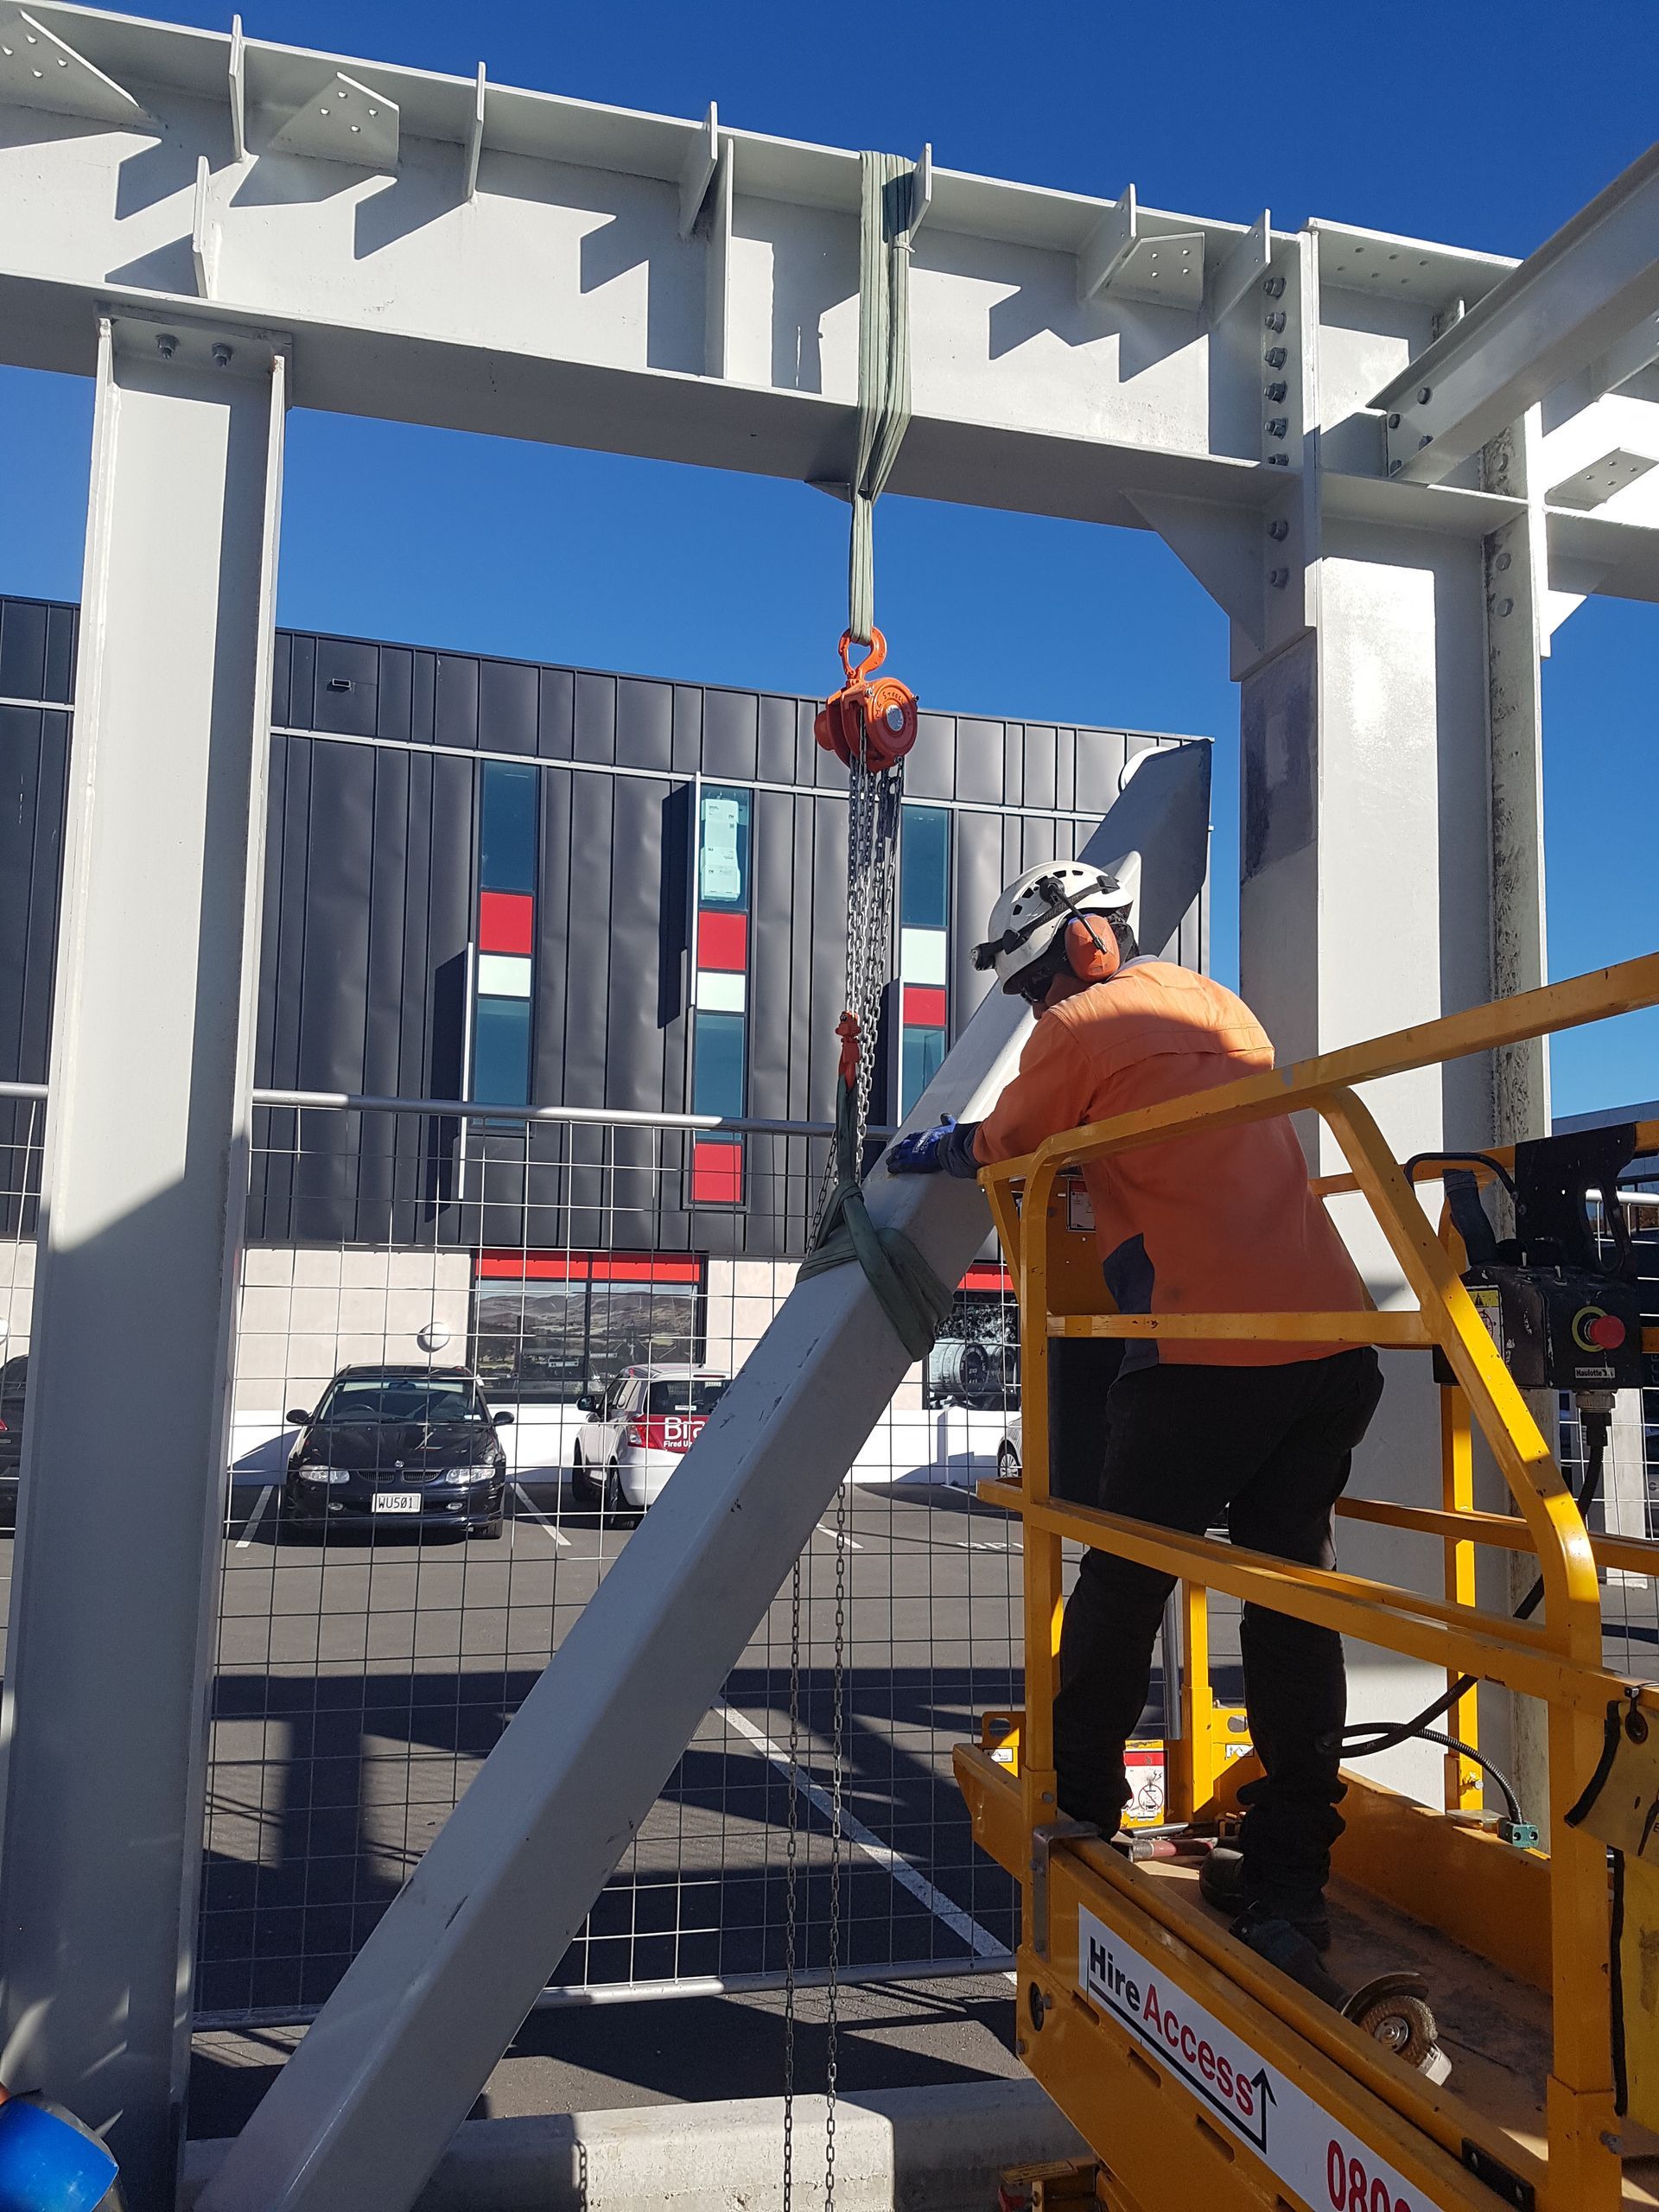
[[167, 345], [1278, 425]]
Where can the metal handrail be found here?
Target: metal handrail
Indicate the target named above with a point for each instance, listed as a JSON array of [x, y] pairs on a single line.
[[1597, 996], [1558, 1660], [463, 1110]]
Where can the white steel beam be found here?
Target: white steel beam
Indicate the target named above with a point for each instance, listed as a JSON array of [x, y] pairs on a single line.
[[142, 1214], [1567, 305], [362, 2111], [485, 258], [550, 269]]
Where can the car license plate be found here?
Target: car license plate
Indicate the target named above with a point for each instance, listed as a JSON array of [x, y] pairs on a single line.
[[397, 1500]]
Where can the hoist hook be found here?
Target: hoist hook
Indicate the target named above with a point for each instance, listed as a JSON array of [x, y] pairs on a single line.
[[873, 659], [871, 719]]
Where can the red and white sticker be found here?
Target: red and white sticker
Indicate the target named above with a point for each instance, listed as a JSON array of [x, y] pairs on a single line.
[[1327, 2166], [671, 1432], [1143, 1763]]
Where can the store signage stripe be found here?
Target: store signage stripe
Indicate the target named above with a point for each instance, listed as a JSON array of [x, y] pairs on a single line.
[[585, 1267]]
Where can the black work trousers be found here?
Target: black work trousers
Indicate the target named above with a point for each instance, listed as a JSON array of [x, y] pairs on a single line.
[[1269, 1449]]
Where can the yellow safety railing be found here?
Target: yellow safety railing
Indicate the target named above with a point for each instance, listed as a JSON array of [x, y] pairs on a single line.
[[1556, 1658]]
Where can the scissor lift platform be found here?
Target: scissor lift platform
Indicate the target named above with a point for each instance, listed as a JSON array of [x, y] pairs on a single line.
[[1164, 2144], [1199, 2073]]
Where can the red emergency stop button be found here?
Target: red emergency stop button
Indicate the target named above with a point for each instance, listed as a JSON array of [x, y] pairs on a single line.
[[1607, 1331]]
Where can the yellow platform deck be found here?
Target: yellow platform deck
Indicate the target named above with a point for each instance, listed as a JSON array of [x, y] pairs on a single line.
[[1494, 2022]]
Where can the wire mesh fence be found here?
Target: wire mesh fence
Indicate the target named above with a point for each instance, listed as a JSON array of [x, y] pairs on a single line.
[[410, 1275], [381, 1624]]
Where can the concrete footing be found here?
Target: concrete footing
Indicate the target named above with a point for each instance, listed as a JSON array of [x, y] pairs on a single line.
[[933, 2150]]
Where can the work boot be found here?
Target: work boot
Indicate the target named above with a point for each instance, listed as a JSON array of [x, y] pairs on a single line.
[[1223, 1883]]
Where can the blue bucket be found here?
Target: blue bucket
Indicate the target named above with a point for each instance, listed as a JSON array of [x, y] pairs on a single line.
[[48, 2163]]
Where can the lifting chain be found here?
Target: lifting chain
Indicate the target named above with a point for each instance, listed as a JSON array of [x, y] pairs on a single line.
[[837, 1789], [874, 797], [837, 1854], [790, 1897], [869, 724]]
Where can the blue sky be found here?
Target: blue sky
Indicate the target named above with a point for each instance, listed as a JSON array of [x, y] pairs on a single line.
[[1485, 125]]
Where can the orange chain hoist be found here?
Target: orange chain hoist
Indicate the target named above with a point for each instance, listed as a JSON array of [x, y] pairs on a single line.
[[874, 716]]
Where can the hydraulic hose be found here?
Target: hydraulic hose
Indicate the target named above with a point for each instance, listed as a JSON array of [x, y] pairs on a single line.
[[1365, 1740]]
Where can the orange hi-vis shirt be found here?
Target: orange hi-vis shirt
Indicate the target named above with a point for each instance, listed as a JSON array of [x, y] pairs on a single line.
[[1217, 1222]]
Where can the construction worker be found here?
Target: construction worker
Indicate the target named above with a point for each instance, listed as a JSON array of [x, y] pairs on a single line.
[[1258, 1432]]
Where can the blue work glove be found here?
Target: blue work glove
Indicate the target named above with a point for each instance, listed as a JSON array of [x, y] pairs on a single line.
[[948, 1145]]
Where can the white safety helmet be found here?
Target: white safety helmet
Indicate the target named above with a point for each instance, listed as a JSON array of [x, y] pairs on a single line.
[[1037, 906]]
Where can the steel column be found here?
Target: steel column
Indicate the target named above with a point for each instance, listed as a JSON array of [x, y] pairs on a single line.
[[1518, 609], [1517, 636], [126, 1449], [1365, 903], [361, 2112]]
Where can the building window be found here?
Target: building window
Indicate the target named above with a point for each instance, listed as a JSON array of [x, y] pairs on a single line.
[[723, 850], [924, 1049], [504, 967], [720, 993], [506, 842], [924, 922], [717, 1073], [501, 1051], [550, 1326], [975, 1361], [925, 865]]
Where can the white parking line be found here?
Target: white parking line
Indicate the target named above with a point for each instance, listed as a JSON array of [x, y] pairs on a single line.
[[538, 1517], [979, 1940], [253, 1520], [827, 1528]]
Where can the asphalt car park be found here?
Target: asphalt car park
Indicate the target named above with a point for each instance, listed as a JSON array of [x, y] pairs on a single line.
[[364, 1676], [362, 1679]]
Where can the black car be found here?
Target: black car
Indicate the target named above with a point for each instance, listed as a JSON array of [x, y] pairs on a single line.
[[14, 1379], [415, 1447]]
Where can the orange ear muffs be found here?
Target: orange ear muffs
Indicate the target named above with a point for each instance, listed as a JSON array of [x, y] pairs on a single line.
[[1091, 950]]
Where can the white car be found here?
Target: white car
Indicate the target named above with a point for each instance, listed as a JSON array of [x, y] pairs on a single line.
[[636, 1435], [1007, 1452]]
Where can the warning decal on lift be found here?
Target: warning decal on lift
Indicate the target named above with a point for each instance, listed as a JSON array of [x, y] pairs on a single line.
[[1327, 2165], [1490, 1307]]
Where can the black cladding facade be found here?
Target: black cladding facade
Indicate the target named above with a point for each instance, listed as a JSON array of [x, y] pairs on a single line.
[[370, 905]]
